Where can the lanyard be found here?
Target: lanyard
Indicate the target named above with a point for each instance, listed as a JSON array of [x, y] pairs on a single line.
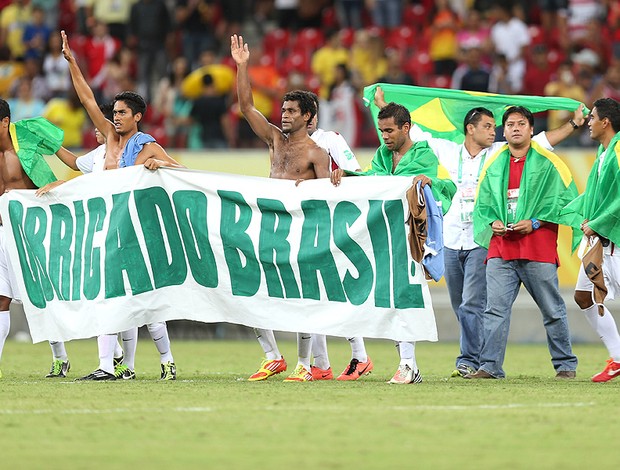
[[460, 174]]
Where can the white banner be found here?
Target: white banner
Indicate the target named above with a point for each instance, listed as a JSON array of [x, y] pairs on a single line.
[[123, 248]]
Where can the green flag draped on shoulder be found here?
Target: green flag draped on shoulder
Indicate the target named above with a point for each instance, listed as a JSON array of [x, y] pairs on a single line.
[[33, 138], [441, 112], [600, 204], [418, 160], [549, 188]]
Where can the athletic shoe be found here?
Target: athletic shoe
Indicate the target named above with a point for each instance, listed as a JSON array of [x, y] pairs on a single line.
[[59, 369], [321, 374], [123, 372], [566, 374], [99, 374], [611, 371], [118, 361], [405, 375], [300, 374], [480, 374], [268, 368], [168, 371], [356, 369], [462, 370]]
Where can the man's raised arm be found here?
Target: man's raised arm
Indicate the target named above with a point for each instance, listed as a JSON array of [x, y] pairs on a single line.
[[259, 123], [87, 98], [555, 136]]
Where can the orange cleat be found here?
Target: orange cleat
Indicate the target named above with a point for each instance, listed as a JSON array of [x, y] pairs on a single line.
[[356, 369], [321, 374], [611, 371]]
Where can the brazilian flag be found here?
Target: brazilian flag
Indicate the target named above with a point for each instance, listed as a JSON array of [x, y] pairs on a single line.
[[441, 112], [33, 138], [547, 186], [599, 203]]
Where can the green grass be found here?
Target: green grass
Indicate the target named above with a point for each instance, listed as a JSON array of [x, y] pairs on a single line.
[[212, 418]]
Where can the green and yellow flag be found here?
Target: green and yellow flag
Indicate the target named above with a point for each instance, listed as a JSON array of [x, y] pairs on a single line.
[[441, 112], [546, 187], [600, 204], [418, 160], [33, 138]]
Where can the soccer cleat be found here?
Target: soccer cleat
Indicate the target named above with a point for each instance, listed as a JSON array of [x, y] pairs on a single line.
[[405, 375], [122, 372], [462, 370], [99, 374], [168, 371], [268, 368], [300, 374], [356, 369], [59, 369], [611, 371], [321, 374]]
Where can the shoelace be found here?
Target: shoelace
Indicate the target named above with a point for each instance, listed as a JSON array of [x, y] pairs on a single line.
[[56, 367], [352, 366]]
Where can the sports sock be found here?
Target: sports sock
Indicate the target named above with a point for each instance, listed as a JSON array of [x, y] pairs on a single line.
[[118, 349], [106, 344], [319, 351], [5, 326], [267, 341], [159, 334], [358, 349], [58, 350], [406, 350], [606, 328], [304, 347], [130, 343]]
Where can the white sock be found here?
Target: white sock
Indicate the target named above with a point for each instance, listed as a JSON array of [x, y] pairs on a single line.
[[304, 348], [406, 350], [58, 350], [267, 341], [606, 328], [118, 349], [106, 344], [159, 334], [5, 326], [319, 351], [130, 343], [358, 349]]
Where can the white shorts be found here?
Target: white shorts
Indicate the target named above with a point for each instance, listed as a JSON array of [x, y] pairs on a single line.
[[8, 282], [611, 273]]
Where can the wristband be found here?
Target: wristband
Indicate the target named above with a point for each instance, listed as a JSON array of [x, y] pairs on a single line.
[[573, 123]]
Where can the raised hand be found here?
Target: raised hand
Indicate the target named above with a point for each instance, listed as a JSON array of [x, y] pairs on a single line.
[[66, 50], [239, 50]]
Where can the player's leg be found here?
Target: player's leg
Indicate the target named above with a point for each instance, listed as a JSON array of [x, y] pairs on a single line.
[[360, 363], [159, 334], [321, 369], [304, 348], [408, 371], [273, 363]]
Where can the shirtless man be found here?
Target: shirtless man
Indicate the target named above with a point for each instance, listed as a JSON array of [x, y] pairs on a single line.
[[294, 156]]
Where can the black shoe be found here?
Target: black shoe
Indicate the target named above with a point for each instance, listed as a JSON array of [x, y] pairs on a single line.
[[566, 374], [98, 375]]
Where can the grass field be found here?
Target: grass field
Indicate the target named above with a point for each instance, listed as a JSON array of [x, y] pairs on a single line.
[[212, 418]]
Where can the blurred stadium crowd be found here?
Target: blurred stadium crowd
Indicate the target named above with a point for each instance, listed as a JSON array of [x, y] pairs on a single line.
[[176, 53]]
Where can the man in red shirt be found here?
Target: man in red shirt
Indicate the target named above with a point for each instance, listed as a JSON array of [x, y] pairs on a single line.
[[520, 226]]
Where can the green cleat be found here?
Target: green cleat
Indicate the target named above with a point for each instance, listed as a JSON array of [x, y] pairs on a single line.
[[59, 369], [168, 371], [121, 371], [118, 361]]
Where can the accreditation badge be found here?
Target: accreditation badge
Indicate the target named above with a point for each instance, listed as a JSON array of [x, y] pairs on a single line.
[[467, 197], [513, 197]]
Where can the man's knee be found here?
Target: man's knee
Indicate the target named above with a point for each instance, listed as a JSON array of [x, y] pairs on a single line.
[[583, 299]]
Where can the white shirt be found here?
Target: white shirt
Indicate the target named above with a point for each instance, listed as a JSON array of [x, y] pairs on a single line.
[[93, 161], [458, 229], [337, 148]]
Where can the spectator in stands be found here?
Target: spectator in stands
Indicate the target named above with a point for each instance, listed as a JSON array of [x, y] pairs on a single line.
[[553, 17], [609, 86], [537, 74], [195, 21], [32, 71], [474, 33], [386, 13], [500, 80], [510, 37], [119, 74], [10, 70], [368, 61], [115, 14], [581, 12], [443, 45], [69, 115], [341, 111], [286, 13], [13, 20], [99, 50], [395, 73], [56, 69], [325, 60], [349, 13], [36, 35], [24, 105], [223, 76], [210, 112], [472, 74]]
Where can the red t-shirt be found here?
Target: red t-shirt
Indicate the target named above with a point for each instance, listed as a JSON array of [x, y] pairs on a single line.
[[540, 245]]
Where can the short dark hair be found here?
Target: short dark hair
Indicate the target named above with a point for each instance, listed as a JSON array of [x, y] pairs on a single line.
[[474, 116], [610, 109], [5, 110], [315, 98], [108, 111], [398, 112], [305, 101], [527, 114], [133, 101]]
